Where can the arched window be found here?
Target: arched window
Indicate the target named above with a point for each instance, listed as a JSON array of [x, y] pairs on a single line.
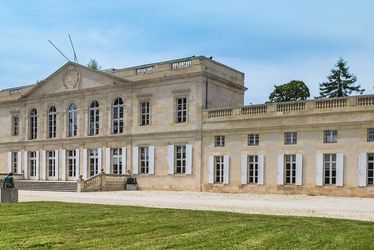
[[33, 124], [94, 118], [72, 120], [52, 118], [117, 116]]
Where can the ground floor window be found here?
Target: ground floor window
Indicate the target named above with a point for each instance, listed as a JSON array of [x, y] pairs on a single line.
[[94, 161], [32, 162], [117, 160], [290, 169], [14, 162], [144, 160], [329, 163], [252, 169], [72, 163], [180, 159], [371, 169], [218, 168], [51, 160]]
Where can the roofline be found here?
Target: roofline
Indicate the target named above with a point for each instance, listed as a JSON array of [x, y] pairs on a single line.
[[17, 88]]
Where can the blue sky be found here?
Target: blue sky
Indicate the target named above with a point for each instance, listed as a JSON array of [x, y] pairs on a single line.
[[272, 42]]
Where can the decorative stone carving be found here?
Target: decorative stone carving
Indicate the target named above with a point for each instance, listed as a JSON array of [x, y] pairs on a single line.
[[72, 78]]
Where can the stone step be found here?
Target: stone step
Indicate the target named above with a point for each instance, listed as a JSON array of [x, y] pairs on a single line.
[[62, 186]]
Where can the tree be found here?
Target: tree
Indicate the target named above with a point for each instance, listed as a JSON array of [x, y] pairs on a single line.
[[291, 91], [340, 82], [93, 64]]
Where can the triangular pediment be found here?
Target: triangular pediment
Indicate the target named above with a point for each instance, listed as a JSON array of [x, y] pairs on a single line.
[[73, 77]]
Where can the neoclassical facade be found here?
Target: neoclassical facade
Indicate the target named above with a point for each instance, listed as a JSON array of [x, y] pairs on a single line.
[[181, 125]]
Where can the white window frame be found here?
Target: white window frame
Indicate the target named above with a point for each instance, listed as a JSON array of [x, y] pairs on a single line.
[[94, 118], [290, 138], [329, 166], [370, 135], [33, 163], [52, 122], [219, 141], [180, 159], [219, 169], [144, 112], [253, 139], [330, 136], [72, 163], [117, 161], [370, 169], [253, 169], [72, 120], [93, 162], [33, 124], [117, 116], [15, 125], [144, 160], [51, 163], [181, 109], [290, 169], [15, 163]]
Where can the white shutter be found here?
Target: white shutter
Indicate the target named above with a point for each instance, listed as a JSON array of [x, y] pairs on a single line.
[[44, 165], [280, 175], [100, 156], [85, 166], [319, 169], [299, 169], [211, 170], [362, 170], [124, 158], [107, 161], [63, 164], [56, 164], [244, 169], [151, 160], [171, 159], [19, 162], [10, 162], [339, 169], [135, 159], [37, 166], [189, 159], [226, 169], [77, 161], [25, 164], [261, 169]]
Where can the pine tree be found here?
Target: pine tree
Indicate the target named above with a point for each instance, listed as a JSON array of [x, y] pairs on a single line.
[[340, 82]]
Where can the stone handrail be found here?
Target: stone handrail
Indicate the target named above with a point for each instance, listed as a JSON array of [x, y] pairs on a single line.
[[93, 183], [293, 108]]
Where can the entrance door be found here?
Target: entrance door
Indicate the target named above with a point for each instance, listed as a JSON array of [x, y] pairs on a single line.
[[71, 165], [33, 165], [51, 165]]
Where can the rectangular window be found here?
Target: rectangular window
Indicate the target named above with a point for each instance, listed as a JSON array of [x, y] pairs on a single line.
[[144, 113], [93, 157], [253, 139], [370, 134], [32, 162], [329, 163], [330, 136], [218, 169], [14, 162], [144, 160], [290, 169], [371, 169], [219, 141], [180, 159], [15, 125], [117, 160], [290, 138], [252, 169], [181, 104], [51, 157], [72, 163]]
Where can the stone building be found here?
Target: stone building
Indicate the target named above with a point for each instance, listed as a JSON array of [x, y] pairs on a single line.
[[181, 125]]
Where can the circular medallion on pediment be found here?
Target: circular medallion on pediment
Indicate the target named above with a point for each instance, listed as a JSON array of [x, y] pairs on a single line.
[[72, 79]]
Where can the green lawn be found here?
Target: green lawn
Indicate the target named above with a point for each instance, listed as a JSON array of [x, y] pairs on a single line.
[[66, 225]]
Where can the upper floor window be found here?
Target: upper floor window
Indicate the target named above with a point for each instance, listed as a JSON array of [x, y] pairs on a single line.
[[52, 117], [181, 104], [330, 136], [15, 125], [94, 118], [72, 120], [117, 116], [33, 124], [144, 113], [290, 138], [219, 141], [253, 139], [370, 134]]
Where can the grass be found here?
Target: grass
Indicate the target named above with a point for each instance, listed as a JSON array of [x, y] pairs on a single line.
[[44, 225]]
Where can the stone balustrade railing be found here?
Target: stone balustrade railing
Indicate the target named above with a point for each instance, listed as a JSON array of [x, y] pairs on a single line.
[[102, 182], [301, 107]]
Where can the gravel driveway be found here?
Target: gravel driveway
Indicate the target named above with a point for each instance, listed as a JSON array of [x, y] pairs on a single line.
[[299, 205]]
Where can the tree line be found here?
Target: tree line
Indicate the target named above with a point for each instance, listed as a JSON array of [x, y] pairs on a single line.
[[339, 83]]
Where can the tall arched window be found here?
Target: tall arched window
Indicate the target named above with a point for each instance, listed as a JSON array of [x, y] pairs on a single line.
[[52, 118], [117, 116], [72, 120], [94, 118], [33, 124]]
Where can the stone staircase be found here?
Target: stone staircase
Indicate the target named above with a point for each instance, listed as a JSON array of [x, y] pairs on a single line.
[[58, 186]]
